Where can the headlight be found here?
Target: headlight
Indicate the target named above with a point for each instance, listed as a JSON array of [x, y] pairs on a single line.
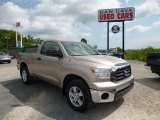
[[101, 73]]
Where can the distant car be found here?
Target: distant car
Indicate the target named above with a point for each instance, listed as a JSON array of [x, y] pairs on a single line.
[[118, 54], [111, 53], [4, 57]]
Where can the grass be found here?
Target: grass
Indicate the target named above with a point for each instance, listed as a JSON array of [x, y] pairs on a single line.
[[140, 54]]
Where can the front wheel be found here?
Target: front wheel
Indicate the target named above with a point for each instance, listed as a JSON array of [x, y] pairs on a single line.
[[26, 78], [78, 95]]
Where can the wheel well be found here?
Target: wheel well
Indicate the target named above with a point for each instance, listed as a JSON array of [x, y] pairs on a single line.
[[69, 78], [22, 65]]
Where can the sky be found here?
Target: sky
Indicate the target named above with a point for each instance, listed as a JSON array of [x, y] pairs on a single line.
[[72, 20]]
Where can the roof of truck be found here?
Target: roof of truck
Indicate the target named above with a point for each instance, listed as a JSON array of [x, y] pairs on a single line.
[[63, 41]]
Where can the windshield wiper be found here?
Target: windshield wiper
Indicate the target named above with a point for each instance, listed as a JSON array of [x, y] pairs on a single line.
[[77, 55], [96, 54]]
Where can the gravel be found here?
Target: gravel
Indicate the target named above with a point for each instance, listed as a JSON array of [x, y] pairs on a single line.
[[42, 101]]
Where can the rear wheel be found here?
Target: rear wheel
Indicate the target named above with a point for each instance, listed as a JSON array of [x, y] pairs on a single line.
[[78, 95], [26, 78]]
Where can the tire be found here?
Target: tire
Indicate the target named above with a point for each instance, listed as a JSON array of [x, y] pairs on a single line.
[[25, 76], [78, 95]]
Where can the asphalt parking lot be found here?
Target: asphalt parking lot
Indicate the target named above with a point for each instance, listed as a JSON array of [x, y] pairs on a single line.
[[42, 101]]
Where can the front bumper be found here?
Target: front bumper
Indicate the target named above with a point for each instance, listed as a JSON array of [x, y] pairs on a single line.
[[113, 91], [5, 59]]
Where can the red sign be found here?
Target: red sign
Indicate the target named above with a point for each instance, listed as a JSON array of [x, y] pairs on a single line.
[[118, 14]]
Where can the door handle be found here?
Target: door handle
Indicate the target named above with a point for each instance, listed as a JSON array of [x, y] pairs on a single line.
[[39, 58]]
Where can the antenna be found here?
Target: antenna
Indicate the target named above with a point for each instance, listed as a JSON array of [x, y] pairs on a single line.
[[67, 35]]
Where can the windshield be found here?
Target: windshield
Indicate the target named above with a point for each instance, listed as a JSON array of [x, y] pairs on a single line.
[[79, 49], [2, 53]]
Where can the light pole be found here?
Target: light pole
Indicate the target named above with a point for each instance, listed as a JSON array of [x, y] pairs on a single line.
[[7, 42], [18, 25]]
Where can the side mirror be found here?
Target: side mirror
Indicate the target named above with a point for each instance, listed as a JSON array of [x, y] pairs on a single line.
[[54, 53]]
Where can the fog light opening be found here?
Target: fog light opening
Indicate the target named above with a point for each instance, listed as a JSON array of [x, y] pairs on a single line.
[[104, 96]]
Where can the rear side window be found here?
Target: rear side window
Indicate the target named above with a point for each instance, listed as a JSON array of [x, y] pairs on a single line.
[[49, 46]]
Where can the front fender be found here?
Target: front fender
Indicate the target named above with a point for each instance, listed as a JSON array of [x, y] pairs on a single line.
[[83, 72]]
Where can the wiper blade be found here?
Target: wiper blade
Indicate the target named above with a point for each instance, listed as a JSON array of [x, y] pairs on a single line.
[[77, 55], [96, 54]]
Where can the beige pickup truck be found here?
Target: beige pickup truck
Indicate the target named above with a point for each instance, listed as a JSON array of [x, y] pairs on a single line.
[[84, 74]]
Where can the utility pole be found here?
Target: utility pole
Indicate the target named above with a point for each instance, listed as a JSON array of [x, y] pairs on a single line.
[[123, 37], [21, 40], [16, 37], [107, 35]]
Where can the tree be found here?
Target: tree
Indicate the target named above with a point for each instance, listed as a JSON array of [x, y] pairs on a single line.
[[119, 49], [8, 40]]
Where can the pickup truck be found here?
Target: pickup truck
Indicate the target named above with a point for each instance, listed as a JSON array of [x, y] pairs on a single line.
[[84, 75], [153, 61]]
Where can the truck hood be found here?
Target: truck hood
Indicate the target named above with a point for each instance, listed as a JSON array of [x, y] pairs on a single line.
[[100, 59]]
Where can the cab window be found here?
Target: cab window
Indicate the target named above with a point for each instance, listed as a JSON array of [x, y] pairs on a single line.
[[47, 46]]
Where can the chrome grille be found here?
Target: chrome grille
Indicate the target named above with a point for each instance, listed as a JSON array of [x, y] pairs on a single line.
[[121, 73]]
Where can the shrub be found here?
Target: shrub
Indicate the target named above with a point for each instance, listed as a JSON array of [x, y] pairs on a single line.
[[140, 54]]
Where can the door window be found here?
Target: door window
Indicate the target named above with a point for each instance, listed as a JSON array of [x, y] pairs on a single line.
[[49, 46]]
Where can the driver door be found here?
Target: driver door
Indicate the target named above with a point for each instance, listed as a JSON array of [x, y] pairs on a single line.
[[49, 67]]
